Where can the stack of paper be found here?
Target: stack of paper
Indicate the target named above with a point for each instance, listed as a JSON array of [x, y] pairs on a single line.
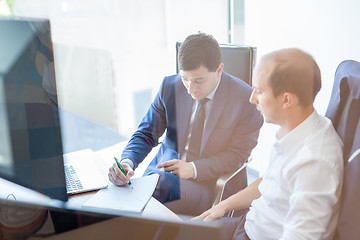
[[129, 198]]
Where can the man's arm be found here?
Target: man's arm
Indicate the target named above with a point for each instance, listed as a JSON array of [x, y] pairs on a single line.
[[240, 200], [314, 200], [148, 133]]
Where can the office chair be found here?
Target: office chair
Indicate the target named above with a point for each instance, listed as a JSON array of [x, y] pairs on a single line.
[[344, 111], [221, 185], [239, 61]]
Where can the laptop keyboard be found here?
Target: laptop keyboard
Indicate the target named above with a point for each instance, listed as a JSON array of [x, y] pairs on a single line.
[[72, 181]]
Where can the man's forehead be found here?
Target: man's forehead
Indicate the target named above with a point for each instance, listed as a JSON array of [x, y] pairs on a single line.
[[261, 73], [195, 73], [190, 76]]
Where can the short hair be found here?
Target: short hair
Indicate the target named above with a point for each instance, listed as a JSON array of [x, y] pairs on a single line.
[[199, 49], [294, 71]]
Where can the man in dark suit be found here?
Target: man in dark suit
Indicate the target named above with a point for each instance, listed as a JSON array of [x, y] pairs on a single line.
[[210, 126]]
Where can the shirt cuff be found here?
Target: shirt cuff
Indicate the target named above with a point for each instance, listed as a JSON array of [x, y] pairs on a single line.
[[195, 172], [128, 161]]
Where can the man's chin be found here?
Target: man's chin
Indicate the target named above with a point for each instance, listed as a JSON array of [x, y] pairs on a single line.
[[196, 97], [265, 118]]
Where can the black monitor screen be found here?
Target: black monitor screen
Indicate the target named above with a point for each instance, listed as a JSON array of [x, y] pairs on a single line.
[[31, 146]]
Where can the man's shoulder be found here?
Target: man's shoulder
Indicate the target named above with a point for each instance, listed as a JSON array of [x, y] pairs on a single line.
[[235, 88], [170, 85], [235, 82], [326, 128], [170, 82], [324, 142], [171, 79]]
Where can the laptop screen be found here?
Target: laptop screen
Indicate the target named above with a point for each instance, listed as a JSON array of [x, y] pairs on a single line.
[[32, 153]]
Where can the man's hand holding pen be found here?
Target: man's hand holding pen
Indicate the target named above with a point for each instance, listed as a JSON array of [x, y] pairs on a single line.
[[117, 177]]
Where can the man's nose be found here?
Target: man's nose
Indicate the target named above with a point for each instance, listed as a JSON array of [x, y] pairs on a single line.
[[191, 87], [252, 98]]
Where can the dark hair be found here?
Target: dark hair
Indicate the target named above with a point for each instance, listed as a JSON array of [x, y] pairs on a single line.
[[298, 74], [199, 49]]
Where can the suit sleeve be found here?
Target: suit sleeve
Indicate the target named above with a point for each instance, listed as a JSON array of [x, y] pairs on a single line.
[[149, 131], [243, 139]]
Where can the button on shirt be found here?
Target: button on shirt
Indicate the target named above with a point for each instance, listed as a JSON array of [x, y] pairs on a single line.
[[300, 191]]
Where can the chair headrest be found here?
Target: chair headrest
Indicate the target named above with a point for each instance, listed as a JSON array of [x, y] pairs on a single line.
[[347, 74], [349, 70]]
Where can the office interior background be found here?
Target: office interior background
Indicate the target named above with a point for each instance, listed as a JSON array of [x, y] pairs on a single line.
[[111, 55]]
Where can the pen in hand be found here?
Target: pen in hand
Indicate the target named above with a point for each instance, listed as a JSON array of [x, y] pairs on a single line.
[[119, 165]]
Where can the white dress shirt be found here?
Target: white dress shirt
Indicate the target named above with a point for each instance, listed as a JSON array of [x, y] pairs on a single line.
[[300, 191]]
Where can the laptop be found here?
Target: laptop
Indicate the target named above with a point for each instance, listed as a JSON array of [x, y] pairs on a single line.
[[81, 172]]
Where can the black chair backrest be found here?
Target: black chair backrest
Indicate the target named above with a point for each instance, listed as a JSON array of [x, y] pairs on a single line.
[[344, 111], [239, 60]]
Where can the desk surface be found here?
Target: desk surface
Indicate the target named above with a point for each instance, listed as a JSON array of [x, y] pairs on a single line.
[[155, 222], [154, 209]]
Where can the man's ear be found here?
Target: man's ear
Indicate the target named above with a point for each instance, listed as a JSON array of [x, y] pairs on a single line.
[[219, 70], [288, 100]]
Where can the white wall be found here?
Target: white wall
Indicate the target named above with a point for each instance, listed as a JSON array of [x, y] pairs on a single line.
[[145, 35], [82, 40], [140, 38], [327, 29]]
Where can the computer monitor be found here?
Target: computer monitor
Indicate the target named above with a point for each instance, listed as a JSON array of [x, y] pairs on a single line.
[[239, 60], [31, 146]]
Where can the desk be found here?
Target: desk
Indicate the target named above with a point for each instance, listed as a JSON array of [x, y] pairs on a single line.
[[12, 191], [135, 229], [153, 214], [155, 222], [105, 156], [153, 210]]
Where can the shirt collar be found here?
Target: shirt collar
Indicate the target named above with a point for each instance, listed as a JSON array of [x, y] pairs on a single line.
[[298, 134]]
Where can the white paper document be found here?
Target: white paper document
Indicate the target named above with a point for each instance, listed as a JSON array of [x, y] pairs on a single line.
[[129, 198]]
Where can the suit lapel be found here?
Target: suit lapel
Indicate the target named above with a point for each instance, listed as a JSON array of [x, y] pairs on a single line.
[[219, 102], [183, 112]]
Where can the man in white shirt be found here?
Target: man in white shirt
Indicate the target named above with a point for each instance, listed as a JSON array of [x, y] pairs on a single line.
[[298, 196]]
